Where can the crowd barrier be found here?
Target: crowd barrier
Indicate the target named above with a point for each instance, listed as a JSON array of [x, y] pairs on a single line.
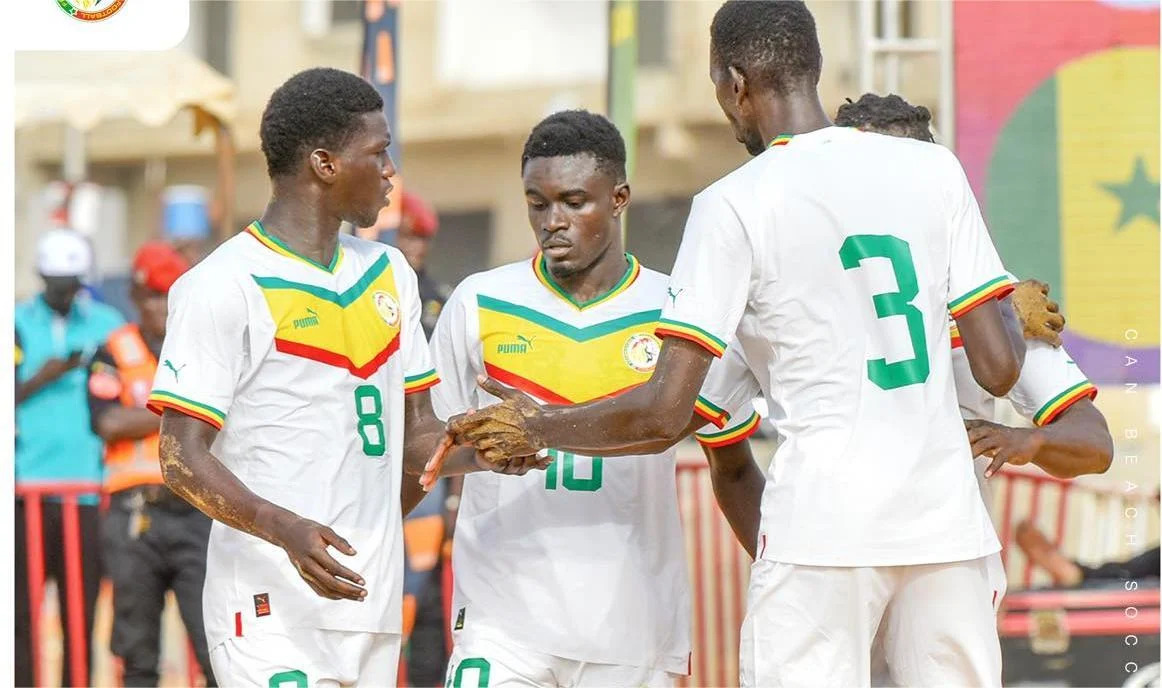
[[1095, 520]]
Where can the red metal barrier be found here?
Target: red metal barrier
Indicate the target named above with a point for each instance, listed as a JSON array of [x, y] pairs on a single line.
[[33, 495]]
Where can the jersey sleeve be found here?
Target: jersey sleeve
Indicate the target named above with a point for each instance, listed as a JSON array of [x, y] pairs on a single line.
[[711, 277], [418, 372], [1050, 382], [453, 356], [731, 387], [204, 354], [975, 270], [104, 386]]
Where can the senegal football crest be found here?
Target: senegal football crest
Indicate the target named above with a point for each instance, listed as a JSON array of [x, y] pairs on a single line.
[[90, 10], [387, 307], [641, 351]]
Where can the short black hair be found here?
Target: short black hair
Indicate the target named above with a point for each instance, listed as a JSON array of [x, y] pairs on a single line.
[[316, 108], [773, 43], [576, 132], [888, 114]]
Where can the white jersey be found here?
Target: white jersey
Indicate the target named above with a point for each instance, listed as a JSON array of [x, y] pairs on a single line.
[[303, 369], [1050, 382], [585, 560], [836, 258]]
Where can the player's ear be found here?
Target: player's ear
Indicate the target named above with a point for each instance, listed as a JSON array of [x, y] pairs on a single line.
[[324, 165], [620, 198], [739, 85]]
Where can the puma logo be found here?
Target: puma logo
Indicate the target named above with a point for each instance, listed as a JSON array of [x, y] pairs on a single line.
[[169, 364], [526, 340], [673, 295]]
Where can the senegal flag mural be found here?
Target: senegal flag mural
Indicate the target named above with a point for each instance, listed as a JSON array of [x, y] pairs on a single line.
[[1057, 121]]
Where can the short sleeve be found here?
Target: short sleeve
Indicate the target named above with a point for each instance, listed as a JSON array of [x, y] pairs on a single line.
[[975, 270], [711, 277], [453, 356], [204, 353], [1050, 382], [104, 386], [730, 389], [418, 372]]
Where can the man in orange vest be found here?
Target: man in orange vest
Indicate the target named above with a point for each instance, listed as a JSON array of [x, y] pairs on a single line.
[[153, 540]]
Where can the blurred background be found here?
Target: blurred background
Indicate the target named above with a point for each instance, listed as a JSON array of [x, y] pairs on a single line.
[[1052, 107]]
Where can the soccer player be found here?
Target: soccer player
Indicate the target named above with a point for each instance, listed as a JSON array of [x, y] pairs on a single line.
[[836, 257], [596, 594], [293, 385]]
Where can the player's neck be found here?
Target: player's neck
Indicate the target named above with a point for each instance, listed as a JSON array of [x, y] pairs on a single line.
[[303, 226], [794, 114], [598, 278]]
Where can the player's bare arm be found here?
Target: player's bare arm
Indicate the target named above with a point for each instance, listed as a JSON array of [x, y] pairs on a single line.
[[995, 345], [738, 487], [1077, 442], [191, 471], [655, 414]]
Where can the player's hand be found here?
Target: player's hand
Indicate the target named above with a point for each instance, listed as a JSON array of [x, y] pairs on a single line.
[[503, 431], [509, 466], [306, 542], [1040, 316], [1016, 446]]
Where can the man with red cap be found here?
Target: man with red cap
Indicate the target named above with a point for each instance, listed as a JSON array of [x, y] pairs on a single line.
[[417, 227], [154, 541]]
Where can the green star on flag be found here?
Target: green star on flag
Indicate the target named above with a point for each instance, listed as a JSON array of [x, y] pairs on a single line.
[[1138, 196]]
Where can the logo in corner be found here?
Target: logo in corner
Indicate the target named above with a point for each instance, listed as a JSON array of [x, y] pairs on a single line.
[[387, 307], [170, 366], [262, 604], [673, 295], [641, 352], [90, 10]]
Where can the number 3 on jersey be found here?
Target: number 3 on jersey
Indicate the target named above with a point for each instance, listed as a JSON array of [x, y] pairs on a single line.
[[912, 371], [369, 413]]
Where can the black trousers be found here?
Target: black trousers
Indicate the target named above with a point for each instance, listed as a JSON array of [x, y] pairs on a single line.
[[1144, 565], [427, 649], [54, 568], [169, 554]]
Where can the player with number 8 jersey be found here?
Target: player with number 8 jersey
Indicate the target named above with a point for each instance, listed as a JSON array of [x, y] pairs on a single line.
[[293, 366]]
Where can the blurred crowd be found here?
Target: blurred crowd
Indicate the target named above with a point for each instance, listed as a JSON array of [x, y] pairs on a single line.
[[85, 357]]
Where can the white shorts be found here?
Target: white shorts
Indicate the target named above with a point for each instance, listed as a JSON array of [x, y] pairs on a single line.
[[308, 657], [815, 625], [481, 661]]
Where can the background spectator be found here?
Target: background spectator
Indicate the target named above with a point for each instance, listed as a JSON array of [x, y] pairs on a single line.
[[153, 540], [57, 333]]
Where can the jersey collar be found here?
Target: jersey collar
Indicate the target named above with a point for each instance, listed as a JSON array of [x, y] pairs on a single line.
[[541, 270], [256, 230], [781, 140]]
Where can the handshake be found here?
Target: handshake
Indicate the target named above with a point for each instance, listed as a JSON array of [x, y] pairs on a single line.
[[504, 435]]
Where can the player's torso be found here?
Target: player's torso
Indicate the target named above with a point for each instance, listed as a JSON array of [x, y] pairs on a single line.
[[595, 543], [316, 424], [847, 318]]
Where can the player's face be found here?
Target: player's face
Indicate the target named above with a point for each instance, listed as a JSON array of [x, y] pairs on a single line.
[[362, 170], [727, 90], [573, 209], [152, 306]]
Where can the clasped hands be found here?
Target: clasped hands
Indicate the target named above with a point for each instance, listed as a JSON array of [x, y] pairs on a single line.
[[503, 435]]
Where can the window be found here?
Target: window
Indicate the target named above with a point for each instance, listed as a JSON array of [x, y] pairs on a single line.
[[653, 26], [346, 11], [461, 247], [655, 230]]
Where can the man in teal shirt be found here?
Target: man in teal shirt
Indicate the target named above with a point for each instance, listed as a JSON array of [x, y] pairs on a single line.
[[56, 332]]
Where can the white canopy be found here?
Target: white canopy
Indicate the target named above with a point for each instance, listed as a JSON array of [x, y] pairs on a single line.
[[82, 89]]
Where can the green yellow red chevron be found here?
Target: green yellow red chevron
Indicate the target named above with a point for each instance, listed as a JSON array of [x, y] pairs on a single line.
[[357, 330]]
